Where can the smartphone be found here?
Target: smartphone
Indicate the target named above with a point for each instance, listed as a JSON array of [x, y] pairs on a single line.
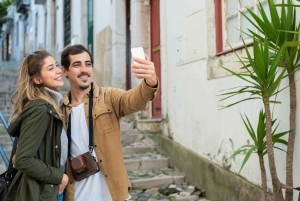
[[137, 52]]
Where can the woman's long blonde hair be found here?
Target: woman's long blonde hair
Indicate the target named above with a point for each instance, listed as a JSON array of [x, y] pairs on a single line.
[[27, 90]]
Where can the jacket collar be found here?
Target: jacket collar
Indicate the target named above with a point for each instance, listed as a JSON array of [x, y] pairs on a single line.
[[96, 92]]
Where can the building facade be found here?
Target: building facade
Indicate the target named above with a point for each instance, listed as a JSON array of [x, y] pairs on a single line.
[[188, 42]]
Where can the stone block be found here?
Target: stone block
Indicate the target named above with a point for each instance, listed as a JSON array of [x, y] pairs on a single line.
[[135, 150], [178, 179], [128, 138], [132, 164], [187, 198], [149, 125], [126, 126], [151, 182], [154, 164]]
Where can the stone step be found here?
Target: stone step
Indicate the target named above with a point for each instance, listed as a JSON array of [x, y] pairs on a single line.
[[128, 137], [126, 125], [142, 146], [7, 150], [148, 161], [6, 143], [2, 129], [164, 188], [182, 192], [133, 150], [149, 125], [147, 179], [5, 140]]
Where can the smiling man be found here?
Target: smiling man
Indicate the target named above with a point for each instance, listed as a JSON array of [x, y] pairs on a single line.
[[92, 117]]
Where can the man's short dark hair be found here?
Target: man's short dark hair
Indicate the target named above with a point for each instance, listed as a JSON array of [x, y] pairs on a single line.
[[72, 50]]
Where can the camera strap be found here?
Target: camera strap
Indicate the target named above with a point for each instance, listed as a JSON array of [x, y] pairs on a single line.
[[91, 128]]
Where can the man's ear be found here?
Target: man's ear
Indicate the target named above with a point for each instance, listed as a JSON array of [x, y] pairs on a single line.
[[37, 80], [64, 71]]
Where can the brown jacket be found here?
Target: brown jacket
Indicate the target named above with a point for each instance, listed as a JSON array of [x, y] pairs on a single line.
[[110, 104]]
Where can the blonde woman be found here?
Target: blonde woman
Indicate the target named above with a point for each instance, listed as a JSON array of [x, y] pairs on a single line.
[[36, 122]]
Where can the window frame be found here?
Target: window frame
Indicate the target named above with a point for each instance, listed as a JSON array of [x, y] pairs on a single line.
[[220, 23], [67, 22]]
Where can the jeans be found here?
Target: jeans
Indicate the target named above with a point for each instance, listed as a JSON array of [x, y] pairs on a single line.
[[60, 197]]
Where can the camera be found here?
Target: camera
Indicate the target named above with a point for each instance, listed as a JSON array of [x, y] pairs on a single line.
[[83, 166]]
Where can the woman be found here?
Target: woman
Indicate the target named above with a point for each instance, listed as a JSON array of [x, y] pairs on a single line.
[[36, 122]]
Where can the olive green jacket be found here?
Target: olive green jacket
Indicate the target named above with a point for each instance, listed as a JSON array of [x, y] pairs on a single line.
[[38, 129]]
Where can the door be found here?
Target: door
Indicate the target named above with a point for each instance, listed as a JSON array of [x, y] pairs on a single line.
[[155, 54], [128, 45]]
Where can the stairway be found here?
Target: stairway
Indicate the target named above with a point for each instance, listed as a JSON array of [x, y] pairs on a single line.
[[8, 80], [150, 173], [7, 144]]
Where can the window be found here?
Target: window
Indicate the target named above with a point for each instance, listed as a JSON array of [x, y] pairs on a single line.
[[230, 23], [90, 26], [67, 22]]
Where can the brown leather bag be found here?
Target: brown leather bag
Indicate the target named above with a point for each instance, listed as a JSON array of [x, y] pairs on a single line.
[[83, 166]]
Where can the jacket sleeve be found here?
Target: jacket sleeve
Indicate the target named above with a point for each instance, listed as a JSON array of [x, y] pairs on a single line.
[[133, 100], [33, 130]]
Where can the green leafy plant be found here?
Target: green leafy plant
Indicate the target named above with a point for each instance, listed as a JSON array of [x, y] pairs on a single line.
[[3, 7], [281, 30], [263, 79], [259, 146]]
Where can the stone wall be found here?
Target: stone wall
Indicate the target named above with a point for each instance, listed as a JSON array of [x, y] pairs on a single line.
[[218, 183]]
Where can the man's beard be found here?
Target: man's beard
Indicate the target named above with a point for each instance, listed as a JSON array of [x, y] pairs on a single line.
[[84, 86]]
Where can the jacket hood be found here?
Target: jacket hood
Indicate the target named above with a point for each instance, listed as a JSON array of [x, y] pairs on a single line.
[[15, 125]]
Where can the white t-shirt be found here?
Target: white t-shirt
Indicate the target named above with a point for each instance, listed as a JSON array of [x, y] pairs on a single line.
[[93, 187]]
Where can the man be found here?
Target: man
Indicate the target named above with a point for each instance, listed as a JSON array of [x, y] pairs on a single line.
[[109, 105]]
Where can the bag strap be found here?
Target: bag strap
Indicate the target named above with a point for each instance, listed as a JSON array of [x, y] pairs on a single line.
[[91, 128], [283, 186], [10, 166]]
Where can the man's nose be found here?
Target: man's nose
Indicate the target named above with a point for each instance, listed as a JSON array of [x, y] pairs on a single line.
[[83, 68]]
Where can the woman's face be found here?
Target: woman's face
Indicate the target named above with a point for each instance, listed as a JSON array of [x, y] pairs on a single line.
[[50, 74]]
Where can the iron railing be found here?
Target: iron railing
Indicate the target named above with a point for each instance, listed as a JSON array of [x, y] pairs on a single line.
[[2, 152]]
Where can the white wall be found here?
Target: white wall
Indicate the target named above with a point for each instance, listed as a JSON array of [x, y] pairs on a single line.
[[190, 101]]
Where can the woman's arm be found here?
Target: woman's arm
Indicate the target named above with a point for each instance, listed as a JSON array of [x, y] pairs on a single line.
[[32, 133]]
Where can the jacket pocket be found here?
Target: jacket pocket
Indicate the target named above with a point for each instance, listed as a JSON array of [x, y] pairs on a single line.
[[49, 192], [104, 120]]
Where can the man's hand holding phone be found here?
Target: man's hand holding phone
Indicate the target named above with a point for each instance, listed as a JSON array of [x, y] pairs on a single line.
[[142, 68]]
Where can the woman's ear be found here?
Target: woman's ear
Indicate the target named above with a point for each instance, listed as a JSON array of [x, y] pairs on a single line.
[[37, 80]]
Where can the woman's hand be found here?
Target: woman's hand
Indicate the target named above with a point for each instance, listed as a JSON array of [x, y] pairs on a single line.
[[13, 159], [63, 184]]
